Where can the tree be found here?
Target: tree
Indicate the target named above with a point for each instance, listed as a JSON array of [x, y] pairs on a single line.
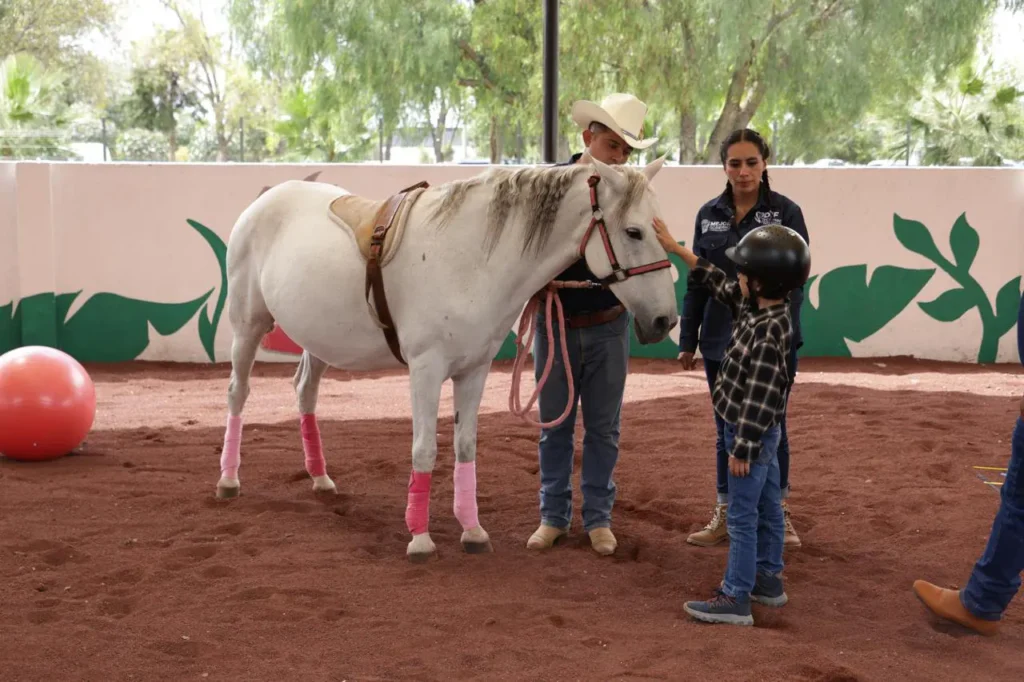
[[816, 66], [978, 117], [221, 84], [31, 109], [161, 89], [48, 29], [395, 60]]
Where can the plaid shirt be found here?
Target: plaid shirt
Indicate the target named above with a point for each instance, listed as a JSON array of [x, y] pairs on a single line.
[[750, 391]]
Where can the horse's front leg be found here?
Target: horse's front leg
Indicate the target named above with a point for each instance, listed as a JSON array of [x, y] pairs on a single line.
[[468, 390], [425, 378]]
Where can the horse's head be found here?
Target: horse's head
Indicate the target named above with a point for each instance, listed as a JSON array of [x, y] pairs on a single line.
[[622, 249]]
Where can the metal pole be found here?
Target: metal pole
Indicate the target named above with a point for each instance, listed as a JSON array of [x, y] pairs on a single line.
[[103, 127], [241, 138], [550, 80]]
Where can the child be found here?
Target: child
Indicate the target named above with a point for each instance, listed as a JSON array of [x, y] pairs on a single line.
[[996, 575], [750, 397]]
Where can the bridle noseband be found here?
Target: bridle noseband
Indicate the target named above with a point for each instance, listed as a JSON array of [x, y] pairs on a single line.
[[597, 220]]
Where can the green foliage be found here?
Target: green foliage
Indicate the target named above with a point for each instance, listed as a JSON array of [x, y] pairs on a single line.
[[968, 294], [139, 144], [852, 308], [31, 109], [979, 118]]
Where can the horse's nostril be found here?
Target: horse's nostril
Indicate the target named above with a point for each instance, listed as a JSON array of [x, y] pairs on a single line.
[[662, 323]]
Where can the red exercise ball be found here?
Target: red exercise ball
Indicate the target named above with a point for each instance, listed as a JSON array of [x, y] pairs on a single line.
[[47, 403]]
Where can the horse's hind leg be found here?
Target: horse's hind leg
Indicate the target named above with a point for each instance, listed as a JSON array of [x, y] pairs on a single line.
[[468, 390], [307, 387], [244, 345]]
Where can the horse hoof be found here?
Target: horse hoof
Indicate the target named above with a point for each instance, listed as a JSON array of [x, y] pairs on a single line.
[[477, 547], [225, 493], [323, 484], [421, 557], [421, 549]]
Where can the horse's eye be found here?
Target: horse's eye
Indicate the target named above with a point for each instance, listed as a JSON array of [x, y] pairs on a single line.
[[635, 233]]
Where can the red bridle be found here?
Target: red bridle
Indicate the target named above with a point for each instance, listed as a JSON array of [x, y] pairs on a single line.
[[618, 274]]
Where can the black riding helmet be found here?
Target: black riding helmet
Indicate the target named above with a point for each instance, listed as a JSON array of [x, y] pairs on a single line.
[[776, 256]]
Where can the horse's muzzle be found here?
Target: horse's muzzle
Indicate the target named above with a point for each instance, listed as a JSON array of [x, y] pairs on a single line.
[[657, 330]]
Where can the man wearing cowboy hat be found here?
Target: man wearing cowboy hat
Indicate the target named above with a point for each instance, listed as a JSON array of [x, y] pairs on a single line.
[[597, 336]]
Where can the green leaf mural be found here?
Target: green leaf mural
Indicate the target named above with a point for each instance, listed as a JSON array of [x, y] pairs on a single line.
[[10, 327], [964, 242], [852, 308], [208, 323], [955, 303], [112, 328], [916, 237]]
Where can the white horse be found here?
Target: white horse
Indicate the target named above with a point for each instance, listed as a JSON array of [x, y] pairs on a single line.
[[471, 255]]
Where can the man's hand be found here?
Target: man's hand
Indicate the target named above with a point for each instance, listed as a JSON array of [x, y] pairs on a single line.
[[738, 467], [687, 361]]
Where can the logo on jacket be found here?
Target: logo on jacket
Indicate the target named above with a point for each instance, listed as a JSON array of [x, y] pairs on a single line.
[[713, 226], [768, 217]]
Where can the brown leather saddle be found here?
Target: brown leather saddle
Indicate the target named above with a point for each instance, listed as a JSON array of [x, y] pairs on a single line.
[[374, 275]]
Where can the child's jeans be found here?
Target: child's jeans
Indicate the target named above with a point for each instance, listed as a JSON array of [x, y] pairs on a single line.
[[996, 576], [756, 525]]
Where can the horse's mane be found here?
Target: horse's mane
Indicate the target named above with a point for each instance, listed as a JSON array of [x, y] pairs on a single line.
[[537, 190]]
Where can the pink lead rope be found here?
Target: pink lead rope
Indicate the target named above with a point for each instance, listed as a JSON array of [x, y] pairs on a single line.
[[526, 329]]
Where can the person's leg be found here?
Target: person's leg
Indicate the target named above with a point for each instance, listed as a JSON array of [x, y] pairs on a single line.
[[605, 362], [715, 531], [555, 448], [768, 587], [996, 575], [792, 539], [732, 601]]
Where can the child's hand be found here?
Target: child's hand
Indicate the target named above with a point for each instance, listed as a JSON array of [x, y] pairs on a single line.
[[671, 245], [667, 242], [1022, 406], [738, 467]]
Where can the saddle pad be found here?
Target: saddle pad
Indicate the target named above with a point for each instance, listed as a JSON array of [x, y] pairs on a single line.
[[359, 214]]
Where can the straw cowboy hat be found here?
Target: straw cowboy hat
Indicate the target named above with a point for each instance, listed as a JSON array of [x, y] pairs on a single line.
[[622, 113]]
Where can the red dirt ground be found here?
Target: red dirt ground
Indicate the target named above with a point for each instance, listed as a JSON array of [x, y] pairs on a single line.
[[119, 564]]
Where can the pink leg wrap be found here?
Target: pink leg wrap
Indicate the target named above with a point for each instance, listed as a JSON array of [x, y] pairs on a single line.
[[231, 457], [465, 494], [312, 446], [417, 512]]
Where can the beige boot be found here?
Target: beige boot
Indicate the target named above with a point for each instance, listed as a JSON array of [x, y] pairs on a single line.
[[715, 532], [792, 539], [545, 537], [603, 541]]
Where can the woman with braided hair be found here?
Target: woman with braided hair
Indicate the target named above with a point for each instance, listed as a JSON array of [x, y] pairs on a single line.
[[748, 202]]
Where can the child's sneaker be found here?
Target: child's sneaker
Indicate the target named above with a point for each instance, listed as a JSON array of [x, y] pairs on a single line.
[[720, 609], [768, 590]]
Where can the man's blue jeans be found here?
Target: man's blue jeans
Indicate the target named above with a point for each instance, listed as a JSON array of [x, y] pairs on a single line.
[[599, 358], [711, 368], [757, 527], [996, 576]]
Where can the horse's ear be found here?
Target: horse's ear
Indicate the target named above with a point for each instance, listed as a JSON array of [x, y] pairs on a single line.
[[654, 166], [585, 157], [608, 173]]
